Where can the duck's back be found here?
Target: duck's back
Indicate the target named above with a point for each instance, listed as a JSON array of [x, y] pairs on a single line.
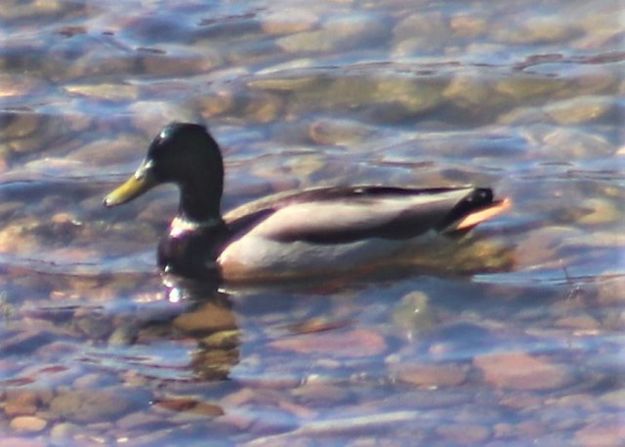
[[329, 229]]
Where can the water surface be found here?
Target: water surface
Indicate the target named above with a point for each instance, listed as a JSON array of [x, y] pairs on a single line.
[[518, 340]]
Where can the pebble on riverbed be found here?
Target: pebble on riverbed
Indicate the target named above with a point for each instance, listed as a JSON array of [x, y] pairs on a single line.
[[20, 125], [433, 34], [522, 371], [339, 132], [21, 402], [18, 85], [469, 89], [543, 245], [63, 432], [105, 151], [336, 91], [215, 103], [431, 375], [604, 434], [524, 87], [263, 108], [355, 343], [585, 109], [537, 30], [413, 314], [289, 21], [30, 424], [337, 33], [468, 25], [600, 211], [464, 434], [96, 405]]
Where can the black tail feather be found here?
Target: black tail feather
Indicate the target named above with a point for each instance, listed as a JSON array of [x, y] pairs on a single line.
[[477, 199]]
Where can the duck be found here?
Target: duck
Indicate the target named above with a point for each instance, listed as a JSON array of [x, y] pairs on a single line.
[[306, 233]]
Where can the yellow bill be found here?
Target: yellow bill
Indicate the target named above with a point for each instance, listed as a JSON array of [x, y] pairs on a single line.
[[140, 182]]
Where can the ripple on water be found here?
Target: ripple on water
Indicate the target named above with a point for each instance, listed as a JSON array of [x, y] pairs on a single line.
[[515, 337]]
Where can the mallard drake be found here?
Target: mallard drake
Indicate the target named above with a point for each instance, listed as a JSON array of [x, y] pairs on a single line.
[[316, 231]]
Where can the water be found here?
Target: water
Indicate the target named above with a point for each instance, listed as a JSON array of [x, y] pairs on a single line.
[[518, 341]]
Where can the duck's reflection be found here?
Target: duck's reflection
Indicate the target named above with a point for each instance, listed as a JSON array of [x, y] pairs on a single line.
[[208, 318]]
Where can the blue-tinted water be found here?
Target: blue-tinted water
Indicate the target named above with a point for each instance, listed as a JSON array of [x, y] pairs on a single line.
[[516, 341]]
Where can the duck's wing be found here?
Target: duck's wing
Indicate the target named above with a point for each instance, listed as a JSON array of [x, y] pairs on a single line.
[[337, 215]]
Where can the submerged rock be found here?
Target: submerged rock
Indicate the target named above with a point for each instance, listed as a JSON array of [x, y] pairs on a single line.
[[289, 21], [431, 375], [540, 29], [573, 144], [523, 87], [413, 313], [337, 33], [96, 405], [521, 371], [20, 85], [468, 25], [140, 421], [20, 125], [339, 132], [421, 32], [600, 211], [601, 433], [64, 432], [31, 424], [581, 110], [464, 434], [356, 343], [471, 89], [284, 83], [21, 402]]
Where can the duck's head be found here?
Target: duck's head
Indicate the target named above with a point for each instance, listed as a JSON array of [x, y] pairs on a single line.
[[184, 154]]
